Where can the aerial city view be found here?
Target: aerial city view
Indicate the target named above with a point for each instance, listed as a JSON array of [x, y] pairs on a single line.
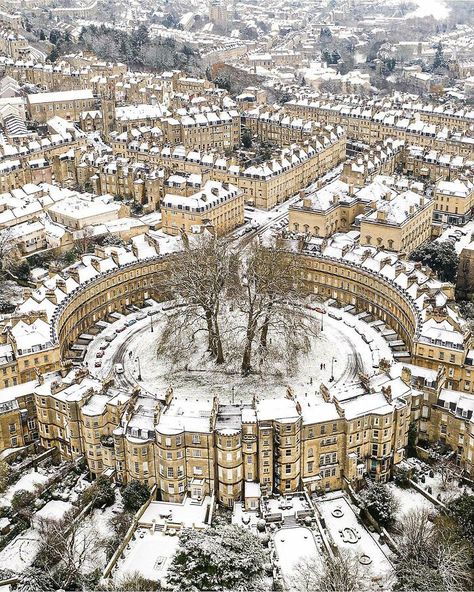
[[236, 295]]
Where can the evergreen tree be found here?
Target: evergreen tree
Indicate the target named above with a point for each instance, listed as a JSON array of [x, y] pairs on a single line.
[[381, 503], [439, 61], [134, 495], [222, 558], [441, 257]]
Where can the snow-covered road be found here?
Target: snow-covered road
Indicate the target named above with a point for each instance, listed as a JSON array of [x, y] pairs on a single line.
[[338, 349]]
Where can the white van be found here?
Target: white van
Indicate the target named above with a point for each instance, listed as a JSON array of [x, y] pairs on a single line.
[[118, 369]]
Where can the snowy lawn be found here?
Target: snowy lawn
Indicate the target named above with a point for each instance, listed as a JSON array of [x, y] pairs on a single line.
[[53, 510], [293, 546], [21, 552], [349, 534], [203, 379], [28, 482], [409, 500], [150, 554]]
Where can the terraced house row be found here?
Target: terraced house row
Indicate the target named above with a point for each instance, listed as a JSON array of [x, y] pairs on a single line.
[[200, 446], [370, 126], [450, 115], [264, 185]]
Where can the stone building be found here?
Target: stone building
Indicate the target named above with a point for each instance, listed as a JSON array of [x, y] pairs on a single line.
[[454, 201], [219, 206], [199, 447], [18, 425], [67, 104]]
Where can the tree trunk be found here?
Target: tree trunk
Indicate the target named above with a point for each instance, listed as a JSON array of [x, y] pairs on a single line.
[[210, 331], [250, 336], [264, 332], [219, 350], [247, 358]]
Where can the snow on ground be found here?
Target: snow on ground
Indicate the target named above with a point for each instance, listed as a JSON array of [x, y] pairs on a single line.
[[342, 527], [28, 482], [294, 546], [444, 493], [21, 552], [96, 525], [244, 518], [337, 341], [189, 513], [150, 554], [409, 500], [53, 510]]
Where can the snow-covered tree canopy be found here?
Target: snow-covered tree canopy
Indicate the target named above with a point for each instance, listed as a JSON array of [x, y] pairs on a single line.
[[222, 558]]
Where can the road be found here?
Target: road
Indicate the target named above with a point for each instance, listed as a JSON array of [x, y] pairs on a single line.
[[339, 342]]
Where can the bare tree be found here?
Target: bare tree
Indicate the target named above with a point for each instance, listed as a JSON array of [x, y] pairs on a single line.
[[447, 469], [271, 299], [66, 550], [342, 573], [433, 554], [197, 280], [85, 239], [9, 253]]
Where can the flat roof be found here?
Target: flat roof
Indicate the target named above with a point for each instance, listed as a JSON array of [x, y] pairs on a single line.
[[66, 95]]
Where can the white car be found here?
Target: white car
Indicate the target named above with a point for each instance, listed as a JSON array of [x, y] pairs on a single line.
[[119, 369]]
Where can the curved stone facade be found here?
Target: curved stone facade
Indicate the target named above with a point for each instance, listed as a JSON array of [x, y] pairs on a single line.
[[198, 447], [326, 277]]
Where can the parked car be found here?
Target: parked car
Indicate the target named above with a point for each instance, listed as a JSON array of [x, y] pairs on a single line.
[[98, 363], [140, 316], [111, 337], [100, 354], [119, 369], [120, 329], [104, 345]]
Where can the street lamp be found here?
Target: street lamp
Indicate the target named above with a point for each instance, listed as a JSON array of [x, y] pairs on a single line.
[[333, 361], [151, 323], [139, 369]]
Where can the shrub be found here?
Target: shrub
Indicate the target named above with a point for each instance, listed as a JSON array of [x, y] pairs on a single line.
[[381, 503], [134, 496], [22, 499], [101, 493]]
